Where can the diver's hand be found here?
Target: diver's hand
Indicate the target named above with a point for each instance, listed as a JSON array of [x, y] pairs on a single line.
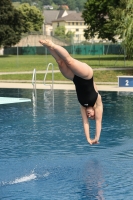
[[89, 141], [95, 141]]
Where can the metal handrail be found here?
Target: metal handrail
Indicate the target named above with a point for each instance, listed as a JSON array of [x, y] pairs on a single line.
[[51, 86], [34, 79]]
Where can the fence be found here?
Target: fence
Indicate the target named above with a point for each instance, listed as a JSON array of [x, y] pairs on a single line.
[[92, 49], [29, 45]]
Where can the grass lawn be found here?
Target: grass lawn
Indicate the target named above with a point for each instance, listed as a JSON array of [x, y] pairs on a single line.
[[25, 63], [40, 62], [99, 76]]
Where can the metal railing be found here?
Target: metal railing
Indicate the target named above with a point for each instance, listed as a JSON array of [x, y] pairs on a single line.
[[47, 98], [51, 85], [34, 79]]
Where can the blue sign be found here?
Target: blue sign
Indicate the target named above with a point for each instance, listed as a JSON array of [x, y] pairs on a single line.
[[125, 81]]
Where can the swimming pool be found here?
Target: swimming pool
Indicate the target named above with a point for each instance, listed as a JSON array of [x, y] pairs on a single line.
[[44, 153]]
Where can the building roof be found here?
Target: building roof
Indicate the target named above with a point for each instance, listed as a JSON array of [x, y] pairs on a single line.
[[70, 17], [50, 15], [60, 14]]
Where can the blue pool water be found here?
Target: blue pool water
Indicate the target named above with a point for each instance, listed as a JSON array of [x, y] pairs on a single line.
[[44, 153]]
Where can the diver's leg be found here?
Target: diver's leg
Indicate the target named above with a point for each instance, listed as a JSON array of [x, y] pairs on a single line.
[[79, 68], [61, 64]]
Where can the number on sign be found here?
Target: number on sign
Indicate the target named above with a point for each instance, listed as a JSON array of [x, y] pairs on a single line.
[[126, 82]]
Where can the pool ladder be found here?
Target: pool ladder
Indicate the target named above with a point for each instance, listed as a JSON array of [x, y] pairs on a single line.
[[44, 81], [47, 98], [34, 95], [34, 79]]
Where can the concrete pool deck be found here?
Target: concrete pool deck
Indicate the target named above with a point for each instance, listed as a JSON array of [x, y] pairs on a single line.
[[61, 85], [64, 86]]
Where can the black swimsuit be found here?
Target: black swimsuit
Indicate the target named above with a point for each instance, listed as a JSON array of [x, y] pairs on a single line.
[[86, 93]]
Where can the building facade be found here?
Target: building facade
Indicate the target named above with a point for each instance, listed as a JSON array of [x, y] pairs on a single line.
[[49, 16], [71, 20]]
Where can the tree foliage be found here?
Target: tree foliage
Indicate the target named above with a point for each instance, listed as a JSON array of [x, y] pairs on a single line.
[[60, 32], [10, 24], [125, 27], [14, 22], [110, 20], [32, 17], [72, 4], [99, 18]]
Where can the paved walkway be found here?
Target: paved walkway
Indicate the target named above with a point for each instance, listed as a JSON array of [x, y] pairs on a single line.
[[56, 71], [62, 86]]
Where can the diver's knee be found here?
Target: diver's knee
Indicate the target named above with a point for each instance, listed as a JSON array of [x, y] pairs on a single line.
[[60, 62], [69, 61]]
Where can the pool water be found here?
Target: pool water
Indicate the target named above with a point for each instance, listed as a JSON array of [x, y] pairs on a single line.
[[44, 153]]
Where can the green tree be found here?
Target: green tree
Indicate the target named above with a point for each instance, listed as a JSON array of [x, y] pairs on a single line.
[[61, 35], [10, 24], [32, 17], [80, 4], [70, 34], [71, 4], [99, 18], [60, 31], [125, 27], [58, 2], [47, 2], [26, 1]]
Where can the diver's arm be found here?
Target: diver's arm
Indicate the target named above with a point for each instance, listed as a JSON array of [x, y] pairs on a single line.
[[98, 119], [98, 129], [85, 124]]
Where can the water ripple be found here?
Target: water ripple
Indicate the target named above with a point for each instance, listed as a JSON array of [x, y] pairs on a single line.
[[50, 139]]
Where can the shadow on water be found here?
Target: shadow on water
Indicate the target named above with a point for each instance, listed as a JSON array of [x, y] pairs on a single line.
[[93, 181]]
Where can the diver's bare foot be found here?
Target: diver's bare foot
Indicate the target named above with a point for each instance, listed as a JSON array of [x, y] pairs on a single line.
[[47, 43]]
